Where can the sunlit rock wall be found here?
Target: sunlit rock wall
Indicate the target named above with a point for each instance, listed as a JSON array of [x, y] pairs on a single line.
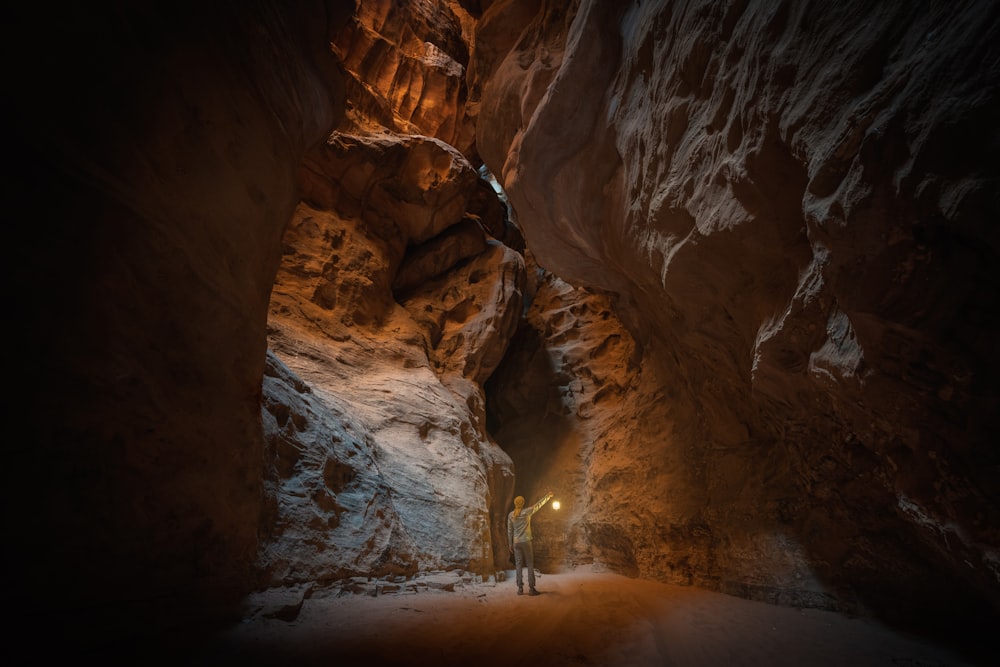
[[795, 204], [407, 64], [395, 301]]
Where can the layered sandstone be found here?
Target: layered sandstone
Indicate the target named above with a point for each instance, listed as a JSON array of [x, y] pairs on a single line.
[[407, 63], [756, 350], [395, 301], [793, 204]]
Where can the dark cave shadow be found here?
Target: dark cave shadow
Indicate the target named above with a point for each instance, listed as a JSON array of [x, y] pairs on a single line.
[[946, 610]]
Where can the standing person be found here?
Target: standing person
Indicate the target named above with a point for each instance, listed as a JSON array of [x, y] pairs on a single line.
[[519, 540]]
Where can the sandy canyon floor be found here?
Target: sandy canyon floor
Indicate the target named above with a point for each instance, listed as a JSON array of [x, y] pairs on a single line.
[[582, 617]]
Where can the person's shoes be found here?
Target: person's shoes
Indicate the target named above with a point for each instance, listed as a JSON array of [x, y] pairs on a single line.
[[520, 591], [533, 592]]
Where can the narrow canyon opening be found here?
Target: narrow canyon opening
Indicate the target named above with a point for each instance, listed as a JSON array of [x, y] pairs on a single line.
[[306, 296]]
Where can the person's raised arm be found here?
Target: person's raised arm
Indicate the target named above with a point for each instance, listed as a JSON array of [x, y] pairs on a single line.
[[541, 503]]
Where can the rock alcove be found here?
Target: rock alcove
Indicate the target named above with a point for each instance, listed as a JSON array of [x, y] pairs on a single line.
[[737, 303]]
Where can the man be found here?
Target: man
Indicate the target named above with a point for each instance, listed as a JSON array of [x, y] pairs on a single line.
[[519, 540]]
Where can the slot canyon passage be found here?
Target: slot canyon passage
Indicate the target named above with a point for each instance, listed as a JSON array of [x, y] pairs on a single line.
[[306, 293]]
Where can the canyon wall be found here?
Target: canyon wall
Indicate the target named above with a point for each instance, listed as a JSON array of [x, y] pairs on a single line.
[[793, 207], [155, 150], [276, 328], [395, 301]]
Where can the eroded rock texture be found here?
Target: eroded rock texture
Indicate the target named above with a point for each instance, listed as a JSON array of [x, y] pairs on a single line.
[[747, 333], [407, 66], [395, 301], [795, 205]]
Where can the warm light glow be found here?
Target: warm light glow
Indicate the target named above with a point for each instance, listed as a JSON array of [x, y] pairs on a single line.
[[555, 504]]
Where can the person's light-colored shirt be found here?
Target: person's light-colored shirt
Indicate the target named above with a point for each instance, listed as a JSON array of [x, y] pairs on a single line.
[[519, 528]]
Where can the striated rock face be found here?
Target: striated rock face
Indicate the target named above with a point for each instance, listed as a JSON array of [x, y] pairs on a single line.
[[407, 374], [395, 301], [585, 409], [328, 502], [743, 324], [407, 63], [794, 205]]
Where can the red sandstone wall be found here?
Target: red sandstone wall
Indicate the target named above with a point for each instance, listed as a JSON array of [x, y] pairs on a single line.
[[794, 204]]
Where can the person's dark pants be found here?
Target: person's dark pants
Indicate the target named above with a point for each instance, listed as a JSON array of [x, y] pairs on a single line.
[[524, 556]]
